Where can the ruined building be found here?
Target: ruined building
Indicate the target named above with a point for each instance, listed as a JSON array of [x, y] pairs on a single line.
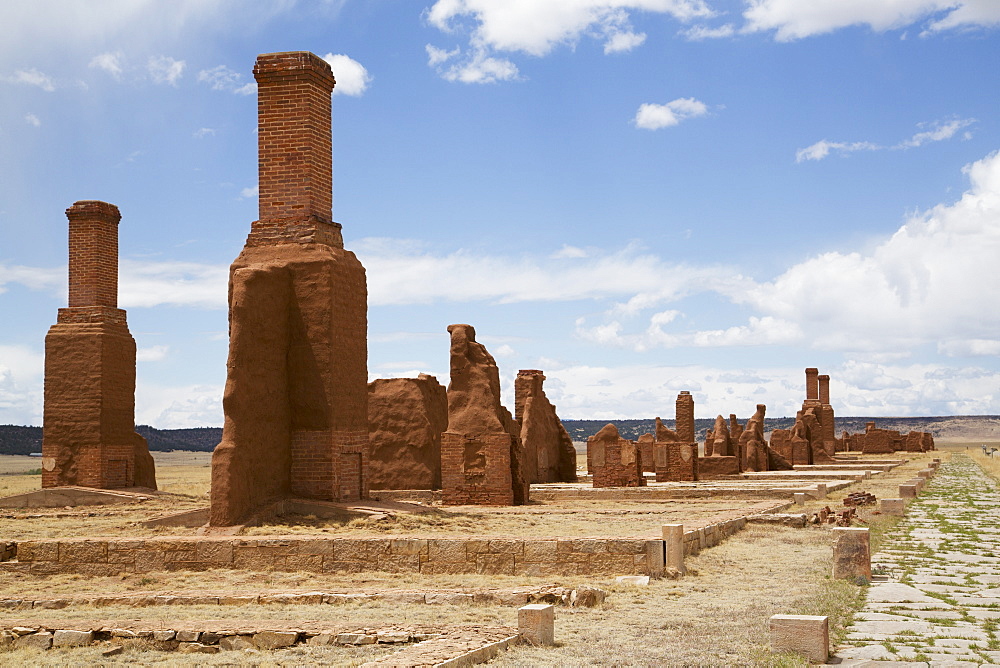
[[812, 439], [720, 451], [481, 453], [614, 461], [676, 452], [296, 396], [89, 434], [406, 417], [549, 455]]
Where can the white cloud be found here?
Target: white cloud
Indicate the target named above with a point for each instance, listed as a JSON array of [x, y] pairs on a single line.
[[201, 133], [822, 148], [32, 77], [164, 69], [352, 77], [536, 28], [222, 78], [568, 251], [152, 354], [970, 348], [624, 41], [21, 371], [700, 32], [170, 407], [111, 62], [149, 284], [250, 193], [793, 19], [939, 131], [31, 119], [655, 116]]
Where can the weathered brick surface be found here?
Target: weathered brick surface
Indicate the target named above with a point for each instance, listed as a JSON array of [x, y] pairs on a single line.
[[614, 461], [296, 398], [406, 417], [89, 434]]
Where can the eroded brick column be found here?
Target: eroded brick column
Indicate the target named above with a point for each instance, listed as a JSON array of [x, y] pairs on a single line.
[[89, 434], [826, 416], [685, 418], [296, 399]]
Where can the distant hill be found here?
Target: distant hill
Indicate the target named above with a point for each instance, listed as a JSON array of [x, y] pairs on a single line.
[[16, 440]]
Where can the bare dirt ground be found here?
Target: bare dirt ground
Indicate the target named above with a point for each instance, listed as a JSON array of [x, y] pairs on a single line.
[[715, 616]]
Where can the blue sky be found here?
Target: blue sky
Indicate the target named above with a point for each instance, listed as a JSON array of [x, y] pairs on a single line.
[[636, 196]]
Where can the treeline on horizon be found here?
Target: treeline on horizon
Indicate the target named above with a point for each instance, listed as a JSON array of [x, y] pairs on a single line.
[[21, 440]]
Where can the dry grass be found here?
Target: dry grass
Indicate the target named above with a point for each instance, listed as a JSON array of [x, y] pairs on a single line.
[[715, 616]]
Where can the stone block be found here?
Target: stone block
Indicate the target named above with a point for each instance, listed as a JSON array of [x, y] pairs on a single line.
[[536, 623], [187, 636], [230, 643], [41, 640], [539, 550], [808, 635], [321, 639], [69, 638], [507, 547], [216, 552], [356, 639], [800, 498], [349, 549], [820, 491], [399, 563], [673, 547], [926, 474], [164, 635], [85, 551], [38, 551], [443, 549], [408, 546], [197, 648], [495, 564], [852, 555], [892, 507], [908, 491], [274, 639]]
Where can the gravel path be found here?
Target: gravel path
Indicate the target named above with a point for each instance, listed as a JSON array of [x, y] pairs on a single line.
[[936, 596]]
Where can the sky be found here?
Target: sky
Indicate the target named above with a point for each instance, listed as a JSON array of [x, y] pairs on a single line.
[[638, 197]]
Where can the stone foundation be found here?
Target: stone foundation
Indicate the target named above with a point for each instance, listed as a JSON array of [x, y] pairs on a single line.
[[492, 556]]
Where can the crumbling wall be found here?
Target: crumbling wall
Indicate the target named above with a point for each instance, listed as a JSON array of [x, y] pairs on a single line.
[[613, 460], [481, 453], [406, 417], [549, 455]]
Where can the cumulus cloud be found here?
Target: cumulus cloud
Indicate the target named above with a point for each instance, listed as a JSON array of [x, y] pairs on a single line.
[[201, 133], [352, 77], [21, 370], [222, 78], [655, 116], [32, 77], [31, 119], [151, 353], [165, 70], [112, 62], [936, 131], [250, 193], [701, 32], [536, 28], [792, 19]]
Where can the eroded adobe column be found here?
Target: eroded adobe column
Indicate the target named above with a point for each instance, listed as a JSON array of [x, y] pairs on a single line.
[[685, 417], [826, 416], [296, 398], [89, 434]]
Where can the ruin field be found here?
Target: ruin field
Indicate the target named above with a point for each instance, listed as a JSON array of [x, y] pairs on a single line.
[[732, 588]]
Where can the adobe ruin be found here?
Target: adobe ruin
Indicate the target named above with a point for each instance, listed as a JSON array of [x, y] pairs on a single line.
[[296, 396], [883, 441], [481, 452], [406, 417], [88, 434], [549, 455], [720, 451], [812, 439], [614, 461], [676, 452]]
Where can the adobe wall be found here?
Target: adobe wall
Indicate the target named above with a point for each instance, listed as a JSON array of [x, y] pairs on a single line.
[[481, 453], [296, 397], [406, 417], [549, 455], [614, 461], [89, 434]]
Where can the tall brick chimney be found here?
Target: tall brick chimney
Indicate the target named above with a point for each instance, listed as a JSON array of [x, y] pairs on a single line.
[[824, 389], [295, 160], [812, 384], [93, 253]]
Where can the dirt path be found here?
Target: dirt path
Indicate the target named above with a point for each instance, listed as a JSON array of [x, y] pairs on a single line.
[[936, 599]]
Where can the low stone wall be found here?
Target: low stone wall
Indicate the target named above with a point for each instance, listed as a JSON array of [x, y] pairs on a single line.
[[494, 556], [696, 540]]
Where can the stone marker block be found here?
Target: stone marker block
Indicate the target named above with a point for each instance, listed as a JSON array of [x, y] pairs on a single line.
[[35, 640], [892, 506], [67, 638], [808, 635], [536, 623], [908, 491], [919, 482], [852, 555], [819, 492], [800, 498], [673, 544]]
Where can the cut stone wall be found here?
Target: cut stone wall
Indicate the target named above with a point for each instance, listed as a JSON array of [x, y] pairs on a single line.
[[493, 556], [614, 461]]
